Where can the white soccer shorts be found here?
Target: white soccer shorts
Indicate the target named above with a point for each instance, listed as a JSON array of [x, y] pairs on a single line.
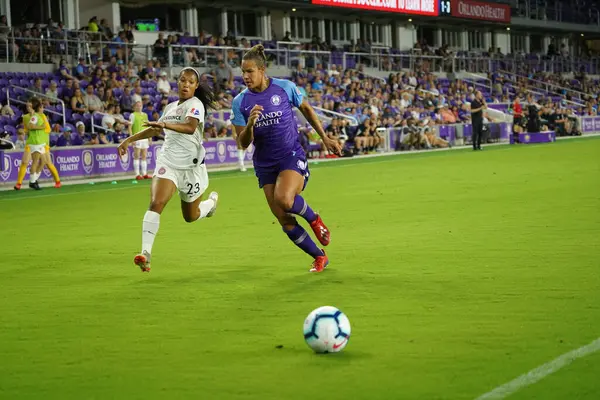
[[191, 183], [37, 148], [142, 144]]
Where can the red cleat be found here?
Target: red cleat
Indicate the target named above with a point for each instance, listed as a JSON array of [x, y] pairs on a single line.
[[57, 185], [147, 176], [138, 178], [17, 186], [320, 230], [143, 261], [320, 263]]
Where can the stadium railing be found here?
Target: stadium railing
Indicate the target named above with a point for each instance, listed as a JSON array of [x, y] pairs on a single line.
[[548, 86], [17, 90], [289, 54]]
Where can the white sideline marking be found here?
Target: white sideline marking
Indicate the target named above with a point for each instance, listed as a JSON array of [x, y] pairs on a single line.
[[539, 373]]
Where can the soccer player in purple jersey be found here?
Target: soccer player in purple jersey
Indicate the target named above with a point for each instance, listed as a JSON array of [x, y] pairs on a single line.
[[263, 114]]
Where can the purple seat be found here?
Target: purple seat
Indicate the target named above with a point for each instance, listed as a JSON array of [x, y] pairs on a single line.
[[10, 129], [98, 119]]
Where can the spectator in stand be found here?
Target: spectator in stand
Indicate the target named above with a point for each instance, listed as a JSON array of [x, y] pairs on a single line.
[[107, 32], [7, 111], [81, 137], [126, 101], [163, 86], [93, 25], [118, 135], [78, 104], [64, 72], [52, 92], [223, 76], [91, 101], [81, 70], [222, 132], [160, 47], [66, 139], [104, 137], [108, 98], [96, 77], [94, 140], [137, 93], [108, 120], [37, 87], [68, 91]]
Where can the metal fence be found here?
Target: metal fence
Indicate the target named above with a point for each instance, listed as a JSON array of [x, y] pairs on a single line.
[[76, 45]]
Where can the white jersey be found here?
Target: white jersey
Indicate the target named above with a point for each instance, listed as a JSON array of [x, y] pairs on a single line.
[[180, 150]]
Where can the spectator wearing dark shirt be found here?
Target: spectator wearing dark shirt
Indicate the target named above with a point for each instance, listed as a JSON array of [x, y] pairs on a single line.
[[477, 107], [66, 139]]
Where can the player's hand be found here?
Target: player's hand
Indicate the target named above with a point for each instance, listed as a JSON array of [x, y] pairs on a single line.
[[154, 124], [333, 146], [254, 114], [122, 149]]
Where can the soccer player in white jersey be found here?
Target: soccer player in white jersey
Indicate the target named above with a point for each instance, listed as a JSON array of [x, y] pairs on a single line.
[[180, 166]]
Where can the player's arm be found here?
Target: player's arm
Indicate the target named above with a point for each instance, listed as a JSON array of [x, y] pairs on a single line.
[[244, 127], [245, 133], [143, 134], [187, 128], [313, 119]]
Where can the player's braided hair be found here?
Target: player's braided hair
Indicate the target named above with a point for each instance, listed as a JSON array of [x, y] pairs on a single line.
[[203, 92], [256, 54]]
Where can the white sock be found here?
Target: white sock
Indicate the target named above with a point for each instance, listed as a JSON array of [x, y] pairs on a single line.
[[149, 230], [34, 177], [144, 168], [136, 167], [241, 154], [205, 207]]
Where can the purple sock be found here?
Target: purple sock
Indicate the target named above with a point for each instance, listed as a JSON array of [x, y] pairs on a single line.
[[302, 209], [302, 239]]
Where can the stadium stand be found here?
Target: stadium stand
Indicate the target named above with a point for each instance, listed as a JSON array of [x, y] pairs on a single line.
[[109, 73]]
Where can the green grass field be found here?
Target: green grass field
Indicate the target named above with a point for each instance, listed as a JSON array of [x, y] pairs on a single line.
[[459, 271]]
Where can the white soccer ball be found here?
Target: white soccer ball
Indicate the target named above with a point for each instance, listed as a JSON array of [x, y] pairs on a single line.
[[327, 330]]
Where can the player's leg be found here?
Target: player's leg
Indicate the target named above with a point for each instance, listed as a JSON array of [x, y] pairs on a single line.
[[161, 192], [50, 165], [23, 167], [290, 183], [241, 154], [136, 161], [294, 231], [144, 162], [194, 184], [34, 172]]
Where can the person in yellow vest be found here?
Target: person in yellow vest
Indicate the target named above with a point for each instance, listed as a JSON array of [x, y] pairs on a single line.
[[36, 140], [46, 159], [140, 149]]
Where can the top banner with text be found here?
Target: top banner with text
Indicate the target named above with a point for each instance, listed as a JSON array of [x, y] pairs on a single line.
[[416, 7]]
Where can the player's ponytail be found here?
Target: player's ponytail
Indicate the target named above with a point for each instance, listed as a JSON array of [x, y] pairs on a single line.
[[256, 54], [203, 92]]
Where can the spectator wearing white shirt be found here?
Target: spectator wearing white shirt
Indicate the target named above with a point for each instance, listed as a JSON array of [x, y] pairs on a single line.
[[163, 86], [52, 92], [92, 102], [137, 94], [108, 121]]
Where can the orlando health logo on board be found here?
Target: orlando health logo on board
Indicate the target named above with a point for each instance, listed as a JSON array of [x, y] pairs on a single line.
[[87, 161], [221, 151], [6, 169]]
